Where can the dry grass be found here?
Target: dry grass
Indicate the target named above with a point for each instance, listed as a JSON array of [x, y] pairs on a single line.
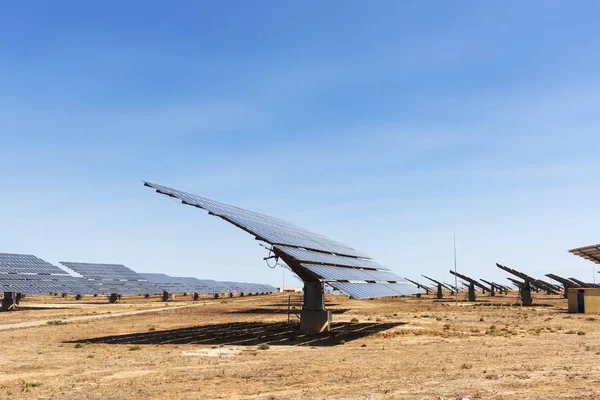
[[430, 350]]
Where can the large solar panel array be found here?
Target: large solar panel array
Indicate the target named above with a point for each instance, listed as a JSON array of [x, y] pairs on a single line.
[[173, 284], [24, 273], [591, 253], [112, 278], [319, 257]]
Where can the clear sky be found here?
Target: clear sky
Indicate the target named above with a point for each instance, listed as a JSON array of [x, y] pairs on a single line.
[[386, 125]]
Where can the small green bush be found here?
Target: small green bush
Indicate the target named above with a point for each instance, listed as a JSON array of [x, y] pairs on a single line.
[[78, 345], [264, 346], [354, 320], [580, 333], [134, 347]]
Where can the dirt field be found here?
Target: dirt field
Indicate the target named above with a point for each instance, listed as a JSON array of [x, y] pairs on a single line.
[[243, 348]]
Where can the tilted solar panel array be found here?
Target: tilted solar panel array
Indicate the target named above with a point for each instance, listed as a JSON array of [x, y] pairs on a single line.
[[590, 253], [330, 261], [112, 278], [25, 273]]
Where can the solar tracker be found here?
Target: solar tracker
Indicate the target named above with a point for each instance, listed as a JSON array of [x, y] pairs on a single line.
[[112, 278], [27, 264], [537, 283], [591, 253], [27, 274], [313, 257], [168, 283]]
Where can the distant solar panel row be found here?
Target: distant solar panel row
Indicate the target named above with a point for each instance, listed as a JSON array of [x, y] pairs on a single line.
[[193, 285], [36, 284]]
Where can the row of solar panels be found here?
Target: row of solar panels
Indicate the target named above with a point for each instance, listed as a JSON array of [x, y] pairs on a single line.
[[21, 273]]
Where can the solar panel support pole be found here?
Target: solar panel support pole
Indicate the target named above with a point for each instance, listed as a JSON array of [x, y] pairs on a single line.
[[9, 301], [314, 318], [196, 296], [525, 291], [472, 296], [165, 296], [439, 294]]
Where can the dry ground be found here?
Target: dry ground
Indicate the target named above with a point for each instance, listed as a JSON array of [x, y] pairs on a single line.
[[380, 349]]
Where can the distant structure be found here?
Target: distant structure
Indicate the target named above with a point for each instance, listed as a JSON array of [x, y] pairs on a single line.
[[472, 283], [586, 297]]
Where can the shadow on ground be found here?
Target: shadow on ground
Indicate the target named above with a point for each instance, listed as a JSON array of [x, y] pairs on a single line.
[[280, 311], [249, 334]]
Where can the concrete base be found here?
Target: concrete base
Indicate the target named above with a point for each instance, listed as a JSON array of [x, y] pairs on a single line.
[[315, 321]]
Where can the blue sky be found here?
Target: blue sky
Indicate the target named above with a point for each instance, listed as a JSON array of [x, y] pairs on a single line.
[[388, 125]]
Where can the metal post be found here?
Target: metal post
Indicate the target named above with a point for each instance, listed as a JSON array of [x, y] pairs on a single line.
[[455, 277]]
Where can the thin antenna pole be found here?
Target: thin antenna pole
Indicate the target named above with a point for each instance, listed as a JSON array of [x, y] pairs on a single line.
[[455, 277], [282, 278]]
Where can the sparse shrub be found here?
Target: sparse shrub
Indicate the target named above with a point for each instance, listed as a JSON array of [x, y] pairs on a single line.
[[377, 319], [264, 346], [481, 319], [466, 366], [438, 318], [580, 333], [570, 332], [31, 384], [90, 356], [342, 342], [354, 320], [395, 314], [134, 347], [363, 345], [151, 329], [78, 345], [590, 319]]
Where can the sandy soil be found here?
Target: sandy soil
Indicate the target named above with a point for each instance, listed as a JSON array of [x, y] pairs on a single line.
[[243, 348]]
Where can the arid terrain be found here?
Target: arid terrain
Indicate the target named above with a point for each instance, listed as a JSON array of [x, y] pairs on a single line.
[[244, 348]]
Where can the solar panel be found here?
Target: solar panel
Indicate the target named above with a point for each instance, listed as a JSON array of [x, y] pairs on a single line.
[[27, 264], [263, 226], [334, 273], [368, 291], [308, 254], [590, 253], [25, 273], [168, 283], [112, 278]]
